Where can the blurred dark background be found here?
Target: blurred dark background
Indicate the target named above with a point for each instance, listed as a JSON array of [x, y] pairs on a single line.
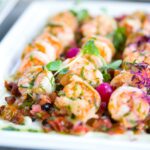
[[21, 5]]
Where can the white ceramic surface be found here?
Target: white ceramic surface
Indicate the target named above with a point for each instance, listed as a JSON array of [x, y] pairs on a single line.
[[27, 27]]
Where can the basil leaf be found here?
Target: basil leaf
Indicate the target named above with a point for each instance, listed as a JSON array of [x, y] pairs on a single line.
[[114, 65], [64, 71], [106, 76], [54, 65], [90, 48], [80, 14], [119, 38]]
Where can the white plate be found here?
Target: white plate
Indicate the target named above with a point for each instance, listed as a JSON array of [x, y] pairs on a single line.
[[5, 7], [11, 47]]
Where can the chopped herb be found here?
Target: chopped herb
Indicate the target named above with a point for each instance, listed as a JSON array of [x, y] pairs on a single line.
[[61, 93], [106, 76], [53, 24], [73, 116], [31, 57], [32, 130], [10, 128], [27, 103], [54, 65], [52, 82], [58, 87], [22, 86], [114, 65], [52, 118], [33, 80], [119, 38], [64, 71], [82, 72], [90, 48], [104, 128]]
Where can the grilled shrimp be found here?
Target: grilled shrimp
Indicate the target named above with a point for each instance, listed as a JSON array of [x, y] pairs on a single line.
[[105, 47], [79, 98], [138, 57], [136, 42], [100, 25], [34, 58], [47, 44], [137, 76], [131, 25], [66, 18], [124, 77], [133, 22], [86, 69], [128, 105], [36, 80], [61, 31], [143, 49], [146, 25]]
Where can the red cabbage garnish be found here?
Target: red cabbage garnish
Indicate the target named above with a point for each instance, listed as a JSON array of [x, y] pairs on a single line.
[[140, 40], [141, 75]]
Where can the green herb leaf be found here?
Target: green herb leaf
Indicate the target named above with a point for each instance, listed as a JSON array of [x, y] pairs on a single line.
[[114, 65], [54, 65], [106, 76], [119, 38], [80, 14], [32, 130], [90, 48], [10, 128], [64, 71]]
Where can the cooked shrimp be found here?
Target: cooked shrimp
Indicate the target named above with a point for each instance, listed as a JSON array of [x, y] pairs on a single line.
[[66, 18], [137, 76], [100, 25], [146, 25], [138, 57], [36, 80], [132, 24], [105, 47], [86, 69], [62, 32], [124, 77], [34, 58], [95, 60], [128, 105], [142, 49], [136, 42], [79, 98], [47, 44]]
